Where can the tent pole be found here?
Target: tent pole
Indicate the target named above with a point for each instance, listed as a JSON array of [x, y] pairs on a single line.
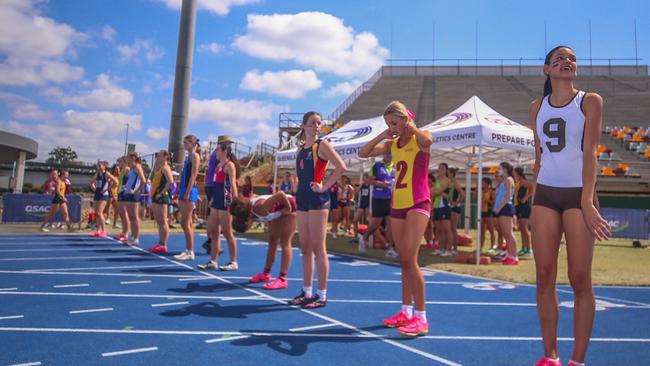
[[275, 172], [468, 198], [479, 198]]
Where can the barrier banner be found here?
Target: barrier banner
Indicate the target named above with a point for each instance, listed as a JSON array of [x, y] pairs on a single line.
[[34, 207], [628, 223]]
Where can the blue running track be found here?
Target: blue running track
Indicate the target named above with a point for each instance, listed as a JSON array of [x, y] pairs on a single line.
[[76, 300]]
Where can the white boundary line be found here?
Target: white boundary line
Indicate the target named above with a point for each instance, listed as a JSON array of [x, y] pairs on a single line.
[[11, 317], [56, 250], [65, 258], [109, 274], [311, 335], [153, 296], [72, 285], [313, 313], [134, 282], [90, 311], [335, 280], [129, 351], [90, 268], [226, 339], [313, 327], [9, 289], [170, 304], [36, 363]]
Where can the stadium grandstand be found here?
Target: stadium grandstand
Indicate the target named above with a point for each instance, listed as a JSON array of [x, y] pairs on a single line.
[[434, 91]]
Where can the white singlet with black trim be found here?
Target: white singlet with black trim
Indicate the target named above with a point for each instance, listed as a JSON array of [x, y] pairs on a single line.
[[259, 218], [561, 133]]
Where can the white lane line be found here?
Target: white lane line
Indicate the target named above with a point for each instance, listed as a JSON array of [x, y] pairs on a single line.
[[169, 304], [9, 289], [311, 335], [153, 296], [90, 311], [313, 327], [58, 250], [37, 363], [72, 285], [333, 280], [129, 351], [114, 274], [67, 258], [313, 313], [133, 282], [87, 268], [11, 317], [226, 339]]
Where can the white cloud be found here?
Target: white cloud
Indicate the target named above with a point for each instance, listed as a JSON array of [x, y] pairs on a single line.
[[219, 7], [140, 48], [343, 89], [109, 33], [313, 39], [35, 47], [23, 108], [236, 117], [90, 144], [212, 47], [106, 95], [102, 123], [157, 133], [292, 84]]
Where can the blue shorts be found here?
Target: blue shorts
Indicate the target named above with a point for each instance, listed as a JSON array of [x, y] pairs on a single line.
[[120, 196], [128, 197], [442, 213], [456, 209], [507, 210], [334, 203], [308, 200], [192, 197], [100, 197]]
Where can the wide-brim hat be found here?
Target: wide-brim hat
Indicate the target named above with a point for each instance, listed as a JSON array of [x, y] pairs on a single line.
[[224, 139]]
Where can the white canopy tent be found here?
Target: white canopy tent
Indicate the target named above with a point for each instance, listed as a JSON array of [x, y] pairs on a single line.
[[474, 125], [346, 140]]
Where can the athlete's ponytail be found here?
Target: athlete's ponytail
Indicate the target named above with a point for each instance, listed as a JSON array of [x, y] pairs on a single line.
[[548, 88], [227, 148]]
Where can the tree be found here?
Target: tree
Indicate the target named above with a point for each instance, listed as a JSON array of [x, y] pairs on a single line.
[[62, 155], [145, 168]]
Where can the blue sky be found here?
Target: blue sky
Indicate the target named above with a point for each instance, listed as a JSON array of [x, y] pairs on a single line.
[[72, 72]]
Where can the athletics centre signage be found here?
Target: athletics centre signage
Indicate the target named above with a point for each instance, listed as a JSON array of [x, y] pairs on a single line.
[[23, 208]]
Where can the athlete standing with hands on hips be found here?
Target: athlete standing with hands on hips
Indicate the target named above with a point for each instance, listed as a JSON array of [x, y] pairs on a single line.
[[566, 123], [410, 208], [312, 199]]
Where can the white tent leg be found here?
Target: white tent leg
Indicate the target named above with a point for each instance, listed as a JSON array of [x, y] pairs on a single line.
[[275, 172], [479, 198], [468, 198]]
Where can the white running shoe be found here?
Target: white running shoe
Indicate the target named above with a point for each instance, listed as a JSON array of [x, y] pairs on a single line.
[[362, 243], [209, 265], [185, 256], [391, 253], [231, 266]]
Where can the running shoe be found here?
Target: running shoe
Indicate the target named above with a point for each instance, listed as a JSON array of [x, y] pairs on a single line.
[[362, 243], [522, 252], [573, 363], [446, 253], [158, 248], [510, 261], [545, 361], [436, 253], [298, 300], [121, 237], [70, 228], [314, 303], [277, 284], [333, 235], [185, 256], [414, 328], [391, 253], [398, 320], [44, 229], [430, 245], [231, 266], [492, 252], [260, 277], [133, 243], [209, 265], [102, 234], [95, 234]]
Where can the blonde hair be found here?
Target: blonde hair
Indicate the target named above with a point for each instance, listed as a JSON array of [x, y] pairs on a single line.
[[398, 108]]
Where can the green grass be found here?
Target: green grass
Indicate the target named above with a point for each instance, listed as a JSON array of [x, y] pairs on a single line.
[[616, 262]]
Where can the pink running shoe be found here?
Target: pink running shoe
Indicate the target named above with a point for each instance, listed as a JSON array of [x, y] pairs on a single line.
[[102, 234], [510, 261], [398, 320], [260, 277], [158, 248], [277, 284], [95, 234], [122, 237], [545, 361], [414, 328]]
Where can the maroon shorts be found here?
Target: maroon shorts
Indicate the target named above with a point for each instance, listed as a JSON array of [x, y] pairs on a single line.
[[422, 207]]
